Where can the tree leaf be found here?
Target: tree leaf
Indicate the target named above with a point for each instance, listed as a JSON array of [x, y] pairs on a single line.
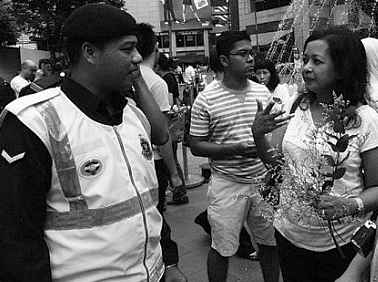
[[342, 143], [339, 173], [333, 146]]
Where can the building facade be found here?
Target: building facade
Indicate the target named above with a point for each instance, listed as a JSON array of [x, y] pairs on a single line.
[[272, 24], [185, 32]]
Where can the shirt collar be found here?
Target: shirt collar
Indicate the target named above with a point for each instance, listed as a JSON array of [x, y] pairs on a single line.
[[93, 106]]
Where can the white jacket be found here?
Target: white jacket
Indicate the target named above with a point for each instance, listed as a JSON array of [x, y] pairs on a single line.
[[102, 222]]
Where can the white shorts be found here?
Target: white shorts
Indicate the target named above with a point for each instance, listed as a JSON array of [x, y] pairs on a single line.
[[227, 212]]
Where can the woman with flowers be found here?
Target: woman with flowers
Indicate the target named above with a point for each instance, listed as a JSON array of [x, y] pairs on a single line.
[[328, 181]]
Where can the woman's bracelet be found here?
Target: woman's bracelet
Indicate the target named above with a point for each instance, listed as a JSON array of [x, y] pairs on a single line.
[[171, 265]]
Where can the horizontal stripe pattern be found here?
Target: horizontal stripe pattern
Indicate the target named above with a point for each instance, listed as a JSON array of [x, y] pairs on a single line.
[[89, 218], [226, 116]]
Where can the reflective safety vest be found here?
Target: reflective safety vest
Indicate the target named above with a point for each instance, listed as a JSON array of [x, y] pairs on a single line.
[[102, 223]]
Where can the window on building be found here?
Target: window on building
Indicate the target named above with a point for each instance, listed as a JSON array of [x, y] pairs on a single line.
[[189, 39], [163, 39], [262, 5], [180, 40]]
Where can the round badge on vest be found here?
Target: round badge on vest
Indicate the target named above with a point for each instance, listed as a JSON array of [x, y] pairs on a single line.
[[91, 168]]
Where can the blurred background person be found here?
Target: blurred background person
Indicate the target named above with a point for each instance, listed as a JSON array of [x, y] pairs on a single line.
[[371, 49], [169, 13], [165, 165], [185, 4], [26, 75], [6, 93], [266, 74], [164, 66]]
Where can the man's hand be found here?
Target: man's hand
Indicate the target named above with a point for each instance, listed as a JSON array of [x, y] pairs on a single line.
[[174, 274], [247, 149], [175, 180]]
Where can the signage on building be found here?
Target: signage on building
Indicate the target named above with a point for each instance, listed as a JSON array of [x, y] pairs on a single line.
[[185, 14]]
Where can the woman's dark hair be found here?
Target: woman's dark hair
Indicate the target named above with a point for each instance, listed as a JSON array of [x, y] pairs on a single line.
[[270, 66], [214, 62], [348, 55]]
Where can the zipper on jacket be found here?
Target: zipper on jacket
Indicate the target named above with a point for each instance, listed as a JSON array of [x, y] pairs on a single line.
[[139, 199]]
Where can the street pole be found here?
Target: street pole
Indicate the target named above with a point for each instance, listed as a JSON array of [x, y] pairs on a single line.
[[170, 36], [256, 26]]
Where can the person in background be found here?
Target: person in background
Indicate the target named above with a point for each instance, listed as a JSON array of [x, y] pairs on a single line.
[[26, 75], [164, 69], [165, 164], [220, 129], [334, 63], [266, 74], [79, 200], [6, 93], [52, 80], [185, 4], [164, 66], [169, 12], [366, 268], [178, 71], [189, 74], [371, 48]]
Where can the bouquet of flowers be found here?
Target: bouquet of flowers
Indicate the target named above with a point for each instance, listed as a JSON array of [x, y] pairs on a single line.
[[306, 182], [176, 122]]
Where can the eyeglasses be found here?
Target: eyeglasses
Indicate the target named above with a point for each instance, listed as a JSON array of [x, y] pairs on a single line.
[[243, 53]]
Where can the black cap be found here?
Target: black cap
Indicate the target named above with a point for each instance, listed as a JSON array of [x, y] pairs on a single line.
[[98, 21]]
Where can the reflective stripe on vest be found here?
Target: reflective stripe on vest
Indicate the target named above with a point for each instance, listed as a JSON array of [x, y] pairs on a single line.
[[99, 217], [80, 216], [63, 158]]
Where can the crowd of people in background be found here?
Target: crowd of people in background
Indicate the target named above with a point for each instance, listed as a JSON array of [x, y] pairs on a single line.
[[70, 172]]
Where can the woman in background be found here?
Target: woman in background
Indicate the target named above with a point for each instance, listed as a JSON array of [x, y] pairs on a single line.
[[265, 73], [371, 48]]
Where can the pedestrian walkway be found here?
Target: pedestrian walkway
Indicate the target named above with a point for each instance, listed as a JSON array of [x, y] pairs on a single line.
[[193, 242]]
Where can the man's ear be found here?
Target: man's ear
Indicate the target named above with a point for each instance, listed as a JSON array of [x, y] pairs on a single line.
[[89, 51], [223, 59]]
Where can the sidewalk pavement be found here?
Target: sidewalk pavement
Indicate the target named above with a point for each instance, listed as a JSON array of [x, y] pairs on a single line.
[[193, 242]]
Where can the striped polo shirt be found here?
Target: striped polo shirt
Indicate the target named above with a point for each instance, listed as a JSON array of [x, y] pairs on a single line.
[[226, 116]]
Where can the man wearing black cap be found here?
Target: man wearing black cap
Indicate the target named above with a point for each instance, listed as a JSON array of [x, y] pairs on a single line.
[[78, 185]]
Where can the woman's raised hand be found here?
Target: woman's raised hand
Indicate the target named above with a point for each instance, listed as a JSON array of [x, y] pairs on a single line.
[[265, 121]]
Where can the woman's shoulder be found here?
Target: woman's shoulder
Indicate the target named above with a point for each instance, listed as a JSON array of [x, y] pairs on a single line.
[[367, 110]]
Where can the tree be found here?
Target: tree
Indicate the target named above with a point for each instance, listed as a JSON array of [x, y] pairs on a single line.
[[42, 20], [8, 28]]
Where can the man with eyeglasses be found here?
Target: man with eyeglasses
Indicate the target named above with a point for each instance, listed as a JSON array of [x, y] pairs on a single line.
[[220, 129]]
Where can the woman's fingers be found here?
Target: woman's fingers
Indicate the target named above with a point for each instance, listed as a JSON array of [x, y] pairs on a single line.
[[260, 107]]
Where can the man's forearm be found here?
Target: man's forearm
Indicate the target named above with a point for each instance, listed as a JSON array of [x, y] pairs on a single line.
[[166, 153], [146, 102]]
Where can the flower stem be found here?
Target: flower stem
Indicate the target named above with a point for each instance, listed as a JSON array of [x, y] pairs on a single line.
[[335, 241]]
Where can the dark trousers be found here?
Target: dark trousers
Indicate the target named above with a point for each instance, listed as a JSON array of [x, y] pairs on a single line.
[[298, 264], [169, 13], [163, 177], [162, 174]]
